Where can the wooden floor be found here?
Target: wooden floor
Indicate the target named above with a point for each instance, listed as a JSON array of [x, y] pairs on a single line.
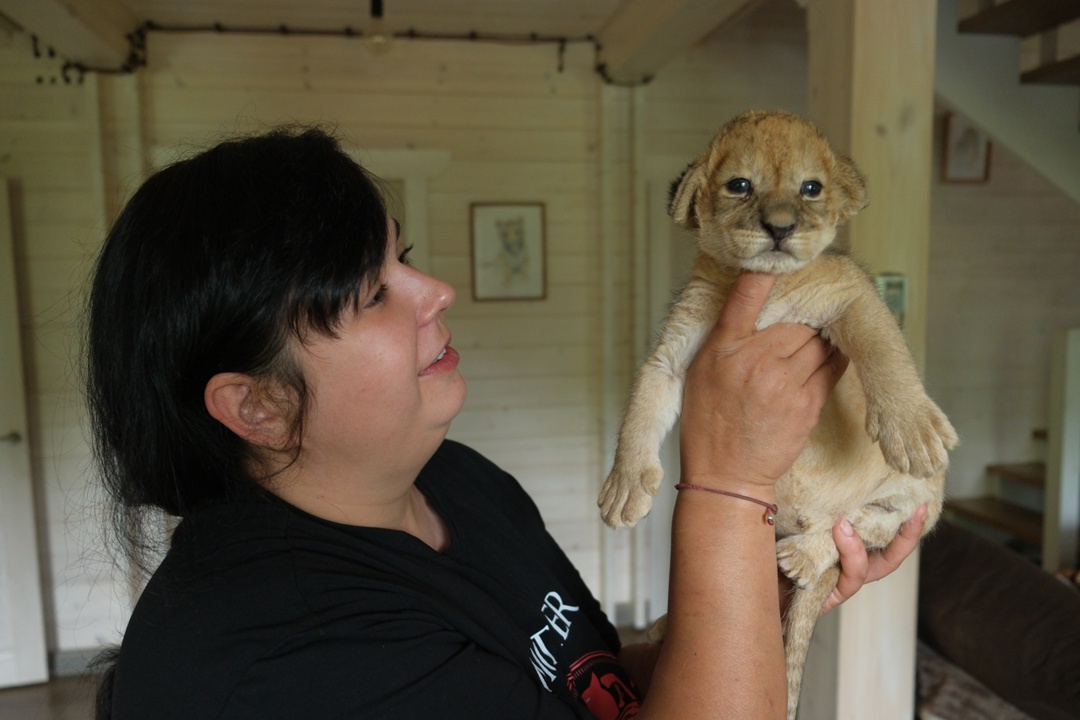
[[68, 698]]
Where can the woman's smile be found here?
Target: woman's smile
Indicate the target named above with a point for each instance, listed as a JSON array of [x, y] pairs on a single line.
[[446, 362]]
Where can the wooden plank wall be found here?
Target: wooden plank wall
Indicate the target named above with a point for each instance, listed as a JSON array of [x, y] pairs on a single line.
[[49, 149], [1003, 255], [517, 129], [1004, 262]]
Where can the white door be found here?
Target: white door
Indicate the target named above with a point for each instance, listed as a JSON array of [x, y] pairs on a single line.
[[22, 625]]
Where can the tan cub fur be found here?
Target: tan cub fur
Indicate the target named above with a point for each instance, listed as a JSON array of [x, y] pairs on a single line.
[[767, 196]]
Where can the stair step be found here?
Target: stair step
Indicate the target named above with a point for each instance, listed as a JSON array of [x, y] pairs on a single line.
[[1029, 473], [1062, 72], [1021, 17], [1021, 523]]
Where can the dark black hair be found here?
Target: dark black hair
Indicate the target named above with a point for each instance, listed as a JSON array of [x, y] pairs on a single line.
[[212, 266]]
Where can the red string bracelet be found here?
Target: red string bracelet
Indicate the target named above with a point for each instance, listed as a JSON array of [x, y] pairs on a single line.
[[770, 516]]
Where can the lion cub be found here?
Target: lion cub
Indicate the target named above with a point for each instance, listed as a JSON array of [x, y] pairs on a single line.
[[767, 196]]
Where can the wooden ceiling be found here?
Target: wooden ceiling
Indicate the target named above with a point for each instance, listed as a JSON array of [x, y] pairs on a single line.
[[636, 37]]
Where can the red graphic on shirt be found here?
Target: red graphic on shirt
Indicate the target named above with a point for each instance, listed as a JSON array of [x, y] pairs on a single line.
[[599, 681]]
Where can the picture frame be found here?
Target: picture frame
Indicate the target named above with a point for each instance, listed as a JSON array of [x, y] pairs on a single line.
[[966, 156], [508, 251]]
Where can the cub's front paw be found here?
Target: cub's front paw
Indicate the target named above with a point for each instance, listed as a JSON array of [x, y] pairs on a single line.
[[914, 441], [628, 493]]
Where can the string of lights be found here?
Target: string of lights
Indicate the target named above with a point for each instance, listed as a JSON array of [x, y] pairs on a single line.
[[74, 71]]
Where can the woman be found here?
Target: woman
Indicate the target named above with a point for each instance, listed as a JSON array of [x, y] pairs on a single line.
[[265, 365]]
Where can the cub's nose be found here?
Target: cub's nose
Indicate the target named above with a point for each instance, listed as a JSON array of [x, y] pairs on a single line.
[[778, 232]]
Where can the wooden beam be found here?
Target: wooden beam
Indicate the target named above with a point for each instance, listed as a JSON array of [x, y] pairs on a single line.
[[643, 35], [872, 92], [90, 32]]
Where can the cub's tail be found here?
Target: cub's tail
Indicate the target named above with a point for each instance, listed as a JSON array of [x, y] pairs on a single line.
[[802, 616]]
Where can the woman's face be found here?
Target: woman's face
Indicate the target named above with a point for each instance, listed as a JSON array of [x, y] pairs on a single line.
[[385, 390]]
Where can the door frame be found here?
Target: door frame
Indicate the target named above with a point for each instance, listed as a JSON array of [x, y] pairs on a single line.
[[23, 648]]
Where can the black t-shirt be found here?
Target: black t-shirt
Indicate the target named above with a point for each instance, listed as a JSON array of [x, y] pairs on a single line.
[[260, 610]]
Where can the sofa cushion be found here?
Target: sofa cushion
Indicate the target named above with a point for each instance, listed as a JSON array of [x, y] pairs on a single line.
[[1008, 623]]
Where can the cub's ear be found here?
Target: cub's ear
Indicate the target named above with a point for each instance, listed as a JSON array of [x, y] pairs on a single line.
[[684, 193], [854, 195]]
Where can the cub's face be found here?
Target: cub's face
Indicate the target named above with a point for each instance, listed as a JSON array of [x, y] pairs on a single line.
[[768, 194]]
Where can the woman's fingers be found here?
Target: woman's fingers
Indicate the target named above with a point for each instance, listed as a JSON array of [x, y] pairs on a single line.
[[738, 316], [884, 562], [857, 567], [854, 565]]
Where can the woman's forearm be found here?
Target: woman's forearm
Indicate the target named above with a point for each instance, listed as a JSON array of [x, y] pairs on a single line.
[[750, 402], [722, 655]]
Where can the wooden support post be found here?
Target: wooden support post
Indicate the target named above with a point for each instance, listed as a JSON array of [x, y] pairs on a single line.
[[1061, 516], [872, 92], [123, 155]]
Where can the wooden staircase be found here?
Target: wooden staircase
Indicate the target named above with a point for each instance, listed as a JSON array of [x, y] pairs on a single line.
[[1050, 29], [1014, 504], [1050, 32], [1000, 513]]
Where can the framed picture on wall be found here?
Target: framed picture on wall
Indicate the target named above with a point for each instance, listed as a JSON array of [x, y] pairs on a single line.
[[508, 249], [966, 156]]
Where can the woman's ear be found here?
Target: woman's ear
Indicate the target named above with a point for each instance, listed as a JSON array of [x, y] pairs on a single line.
[[240, 403]]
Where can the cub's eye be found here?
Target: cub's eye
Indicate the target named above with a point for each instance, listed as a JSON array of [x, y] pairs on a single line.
[[810, 188], [739, 186]]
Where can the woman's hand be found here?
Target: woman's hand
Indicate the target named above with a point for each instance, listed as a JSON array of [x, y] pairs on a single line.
[[857, 567], [753, 397]]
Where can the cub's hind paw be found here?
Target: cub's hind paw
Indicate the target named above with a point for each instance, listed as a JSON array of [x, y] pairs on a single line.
[[803, 558], [657, 630], [627, 495], [916, 443]]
